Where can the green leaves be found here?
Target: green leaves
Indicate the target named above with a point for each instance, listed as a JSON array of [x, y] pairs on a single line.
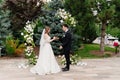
[[22, 11], [13, 47], [107, 14], [5, 24]]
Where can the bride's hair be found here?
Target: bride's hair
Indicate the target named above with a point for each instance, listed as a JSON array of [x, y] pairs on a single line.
[[47, 29]]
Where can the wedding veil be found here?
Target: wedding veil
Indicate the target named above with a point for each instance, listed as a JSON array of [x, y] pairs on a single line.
[[42, 38]]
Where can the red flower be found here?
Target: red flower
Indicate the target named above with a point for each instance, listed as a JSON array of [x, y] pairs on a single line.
[[115, 44]]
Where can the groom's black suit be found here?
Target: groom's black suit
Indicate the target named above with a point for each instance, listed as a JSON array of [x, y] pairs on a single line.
[[66, 44]]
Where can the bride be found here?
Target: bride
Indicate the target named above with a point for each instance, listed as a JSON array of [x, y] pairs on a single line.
[[46, 63]]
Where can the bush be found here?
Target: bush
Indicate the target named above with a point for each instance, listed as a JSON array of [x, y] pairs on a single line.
[[13, 48]]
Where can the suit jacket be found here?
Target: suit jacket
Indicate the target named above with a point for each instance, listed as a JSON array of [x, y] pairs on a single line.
[[66, 40]]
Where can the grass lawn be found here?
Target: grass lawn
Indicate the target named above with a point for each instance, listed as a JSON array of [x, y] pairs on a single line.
[[93, 51]]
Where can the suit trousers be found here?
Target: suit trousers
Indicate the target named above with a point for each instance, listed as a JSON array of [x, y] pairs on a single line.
[[67, 57]]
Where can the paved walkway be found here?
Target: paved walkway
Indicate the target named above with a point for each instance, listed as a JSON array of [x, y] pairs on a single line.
[[96, 69]]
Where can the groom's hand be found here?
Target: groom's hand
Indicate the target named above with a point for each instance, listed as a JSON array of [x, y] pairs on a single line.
[[57, 38], [60, 47]]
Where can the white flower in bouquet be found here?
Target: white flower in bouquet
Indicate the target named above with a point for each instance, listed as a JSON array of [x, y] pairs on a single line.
[[29, 40], [66, 17], [25, 44], [31, 34], [22, 33], [36, 56], [61, 21], [28, 54], [23, 65], [26, 36], [28, 28], [81, 63]]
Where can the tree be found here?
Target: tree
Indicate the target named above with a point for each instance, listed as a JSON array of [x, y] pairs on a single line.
[[22, 11], [105, 10], [4, 23], [116, 19], [86, 21]]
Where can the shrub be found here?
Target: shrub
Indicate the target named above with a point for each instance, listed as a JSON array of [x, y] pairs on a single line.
[[13, 47]]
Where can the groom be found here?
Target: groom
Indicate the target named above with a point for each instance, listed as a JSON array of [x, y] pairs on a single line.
[[66, 45]]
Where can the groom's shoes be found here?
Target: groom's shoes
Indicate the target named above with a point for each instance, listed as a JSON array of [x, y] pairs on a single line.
[[65, 69]]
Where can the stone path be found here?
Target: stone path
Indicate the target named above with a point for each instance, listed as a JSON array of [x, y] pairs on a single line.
[[96, 69]]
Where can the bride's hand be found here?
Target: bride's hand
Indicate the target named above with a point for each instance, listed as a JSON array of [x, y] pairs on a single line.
[[55, 38]]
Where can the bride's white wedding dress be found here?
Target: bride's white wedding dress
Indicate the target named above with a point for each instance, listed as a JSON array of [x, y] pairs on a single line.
[[46, 63]]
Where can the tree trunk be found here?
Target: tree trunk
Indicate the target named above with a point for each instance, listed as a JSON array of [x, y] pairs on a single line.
[[102, 37]]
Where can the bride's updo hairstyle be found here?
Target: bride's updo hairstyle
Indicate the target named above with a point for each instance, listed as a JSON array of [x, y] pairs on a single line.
[[47, 29]]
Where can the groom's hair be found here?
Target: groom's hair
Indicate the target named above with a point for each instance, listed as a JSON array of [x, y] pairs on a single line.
[[65, 25]]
